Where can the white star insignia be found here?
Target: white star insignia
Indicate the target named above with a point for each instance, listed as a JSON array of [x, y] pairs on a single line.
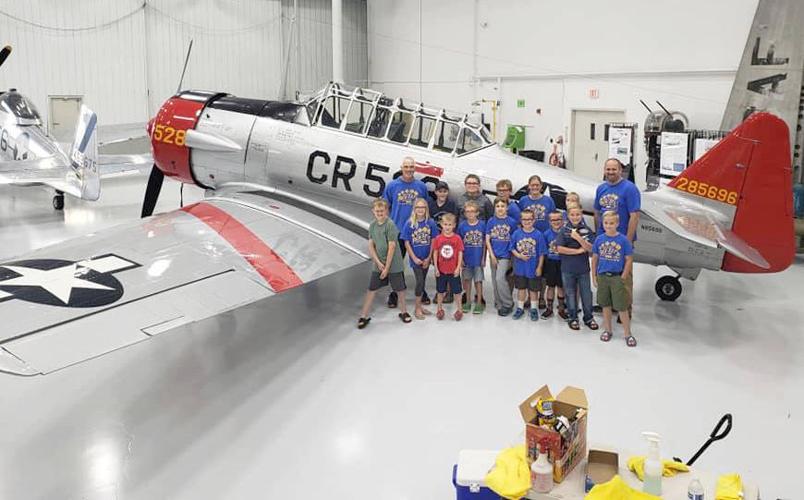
[[59, 282]]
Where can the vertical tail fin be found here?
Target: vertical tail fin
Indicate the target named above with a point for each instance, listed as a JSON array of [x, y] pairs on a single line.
[[84, 154], [750, 169]]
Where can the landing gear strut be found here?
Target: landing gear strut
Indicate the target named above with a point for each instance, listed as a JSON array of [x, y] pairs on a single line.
[[58, 200], [668, 288]]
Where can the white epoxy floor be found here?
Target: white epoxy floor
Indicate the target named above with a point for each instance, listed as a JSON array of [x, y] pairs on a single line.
[[309, 407]]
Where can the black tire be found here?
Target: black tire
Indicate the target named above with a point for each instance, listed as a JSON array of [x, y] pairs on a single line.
[[668, 288], [58, 202]]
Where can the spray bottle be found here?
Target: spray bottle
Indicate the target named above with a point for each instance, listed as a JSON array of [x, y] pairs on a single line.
[[653, 466]]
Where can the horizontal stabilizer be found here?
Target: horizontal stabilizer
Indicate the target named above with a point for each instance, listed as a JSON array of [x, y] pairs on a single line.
[[703, 228]]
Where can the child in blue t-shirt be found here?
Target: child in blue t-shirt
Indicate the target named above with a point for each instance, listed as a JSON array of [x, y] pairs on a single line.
[[528, 249], [499, 230], [538, 203], [612, 260], [552, 268], [472, 231], [418, 234]]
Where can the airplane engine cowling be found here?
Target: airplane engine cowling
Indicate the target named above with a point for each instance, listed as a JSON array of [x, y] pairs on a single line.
[[169, 132]]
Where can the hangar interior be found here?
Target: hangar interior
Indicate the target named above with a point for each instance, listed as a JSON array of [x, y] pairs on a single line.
[[278, 395]]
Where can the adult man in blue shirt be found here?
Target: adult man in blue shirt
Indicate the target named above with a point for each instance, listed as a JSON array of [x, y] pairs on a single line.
[[621, 196], [400, 194]]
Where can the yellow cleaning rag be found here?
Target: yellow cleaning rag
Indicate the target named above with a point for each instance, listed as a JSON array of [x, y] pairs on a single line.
[[510, 477], [670, 469], [729, 487], [617, 489]]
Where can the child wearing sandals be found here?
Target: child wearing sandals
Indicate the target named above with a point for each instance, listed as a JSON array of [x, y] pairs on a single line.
[[574, 242], [612, 260], [418, 235], [448, 262], [388, 265]]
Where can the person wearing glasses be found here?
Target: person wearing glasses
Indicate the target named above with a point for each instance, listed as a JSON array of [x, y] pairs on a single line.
[[475, 194], [504, 191]]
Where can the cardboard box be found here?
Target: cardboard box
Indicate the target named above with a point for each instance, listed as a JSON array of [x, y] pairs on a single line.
[[601, 467], [564, 456]]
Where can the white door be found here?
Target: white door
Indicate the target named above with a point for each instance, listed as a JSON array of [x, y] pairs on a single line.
[[590, 146], [63, 112]]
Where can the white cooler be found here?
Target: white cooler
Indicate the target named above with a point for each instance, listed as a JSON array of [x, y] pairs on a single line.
[[469, 476]]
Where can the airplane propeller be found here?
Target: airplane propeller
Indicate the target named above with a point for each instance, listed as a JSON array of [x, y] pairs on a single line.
[[152, 191], [156, 178], [4, 53]]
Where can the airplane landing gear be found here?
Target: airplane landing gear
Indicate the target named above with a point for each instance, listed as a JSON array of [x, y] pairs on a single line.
[[668, 288], [58, 201]]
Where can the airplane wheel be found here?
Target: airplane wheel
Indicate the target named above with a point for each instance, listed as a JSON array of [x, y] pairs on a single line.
[[58, 202], [668, 288]]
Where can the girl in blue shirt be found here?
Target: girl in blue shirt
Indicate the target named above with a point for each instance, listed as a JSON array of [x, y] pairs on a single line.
[[418, 234], [539, 204]]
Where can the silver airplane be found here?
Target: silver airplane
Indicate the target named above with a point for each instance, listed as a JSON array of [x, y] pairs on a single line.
[[288, 187], [29, 156]]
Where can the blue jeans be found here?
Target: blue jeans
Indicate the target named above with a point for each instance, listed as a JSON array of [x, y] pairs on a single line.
[[583, 282]]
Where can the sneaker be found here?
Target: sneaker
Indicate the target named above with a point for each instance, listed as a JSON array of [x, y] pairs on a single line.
[[562, 313], [392, 300], [466, 307], [504, 311], [547, 313], [518, 313], [479, 308], [534, 315]]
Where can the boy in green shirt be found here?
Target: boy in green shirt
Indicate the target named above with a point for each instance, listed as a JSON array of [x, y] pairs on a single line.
[[388, 267]]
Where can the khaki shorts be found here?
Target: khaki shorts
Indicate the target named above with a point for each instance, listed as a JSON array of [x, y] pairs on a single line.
[[612, 292]]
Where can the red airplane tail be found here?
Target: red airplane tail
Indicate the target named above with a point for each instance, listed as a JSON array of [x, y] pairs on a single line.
[[751, 169]]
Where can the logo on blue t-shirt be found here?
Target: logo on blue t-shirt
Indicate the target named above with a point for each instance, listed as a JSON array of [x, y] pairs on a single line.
[[421, 236], [527, 247], [611, 250], [609, 201], [407, 196], [501, 232], [473, 238], [552, 248]]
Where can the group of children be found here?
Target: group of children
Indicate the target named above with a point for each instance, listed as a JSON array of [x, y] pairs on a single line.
[[533, 249]]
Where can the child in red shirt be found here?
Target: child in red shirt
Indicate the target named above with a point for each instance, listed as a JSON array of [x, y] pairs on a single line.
[[448, 259]]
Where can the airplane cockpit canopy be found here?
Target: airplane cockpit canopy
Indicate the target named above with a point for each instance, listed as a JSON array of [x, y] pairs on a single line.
[[17, 105], [369, 113]]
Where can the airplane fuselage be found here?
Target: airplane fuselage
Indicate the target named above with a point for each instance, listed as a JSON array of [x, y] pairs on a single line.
[[327, 163]]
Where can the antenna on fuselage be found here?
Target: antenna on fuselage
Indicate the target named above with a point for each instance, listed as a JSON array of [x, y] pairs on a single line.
[[184, 69]]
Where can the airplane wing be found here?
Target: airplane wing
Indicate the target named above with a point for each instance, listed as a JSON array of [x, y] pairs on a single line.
[[122, 164], [122, 133], [68, 303], [702, 226], [51, 171]]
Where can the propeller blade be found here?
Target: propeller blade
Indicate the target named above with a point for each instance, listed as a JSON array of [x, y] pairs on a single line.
[[4, 53], [152, 191]]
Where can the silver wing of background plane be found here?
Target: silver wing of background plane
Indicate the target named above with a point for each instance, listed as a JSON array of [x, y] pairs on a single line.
[[65, 304]]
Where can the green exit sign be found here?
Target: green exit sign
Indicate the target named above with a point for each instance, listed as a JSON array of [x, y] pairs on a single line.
[[520, 103]]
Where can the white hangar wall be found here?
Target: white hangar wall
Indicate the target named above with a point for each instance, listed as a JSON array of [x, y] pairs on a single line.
[[551, 53], [125, 56]]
